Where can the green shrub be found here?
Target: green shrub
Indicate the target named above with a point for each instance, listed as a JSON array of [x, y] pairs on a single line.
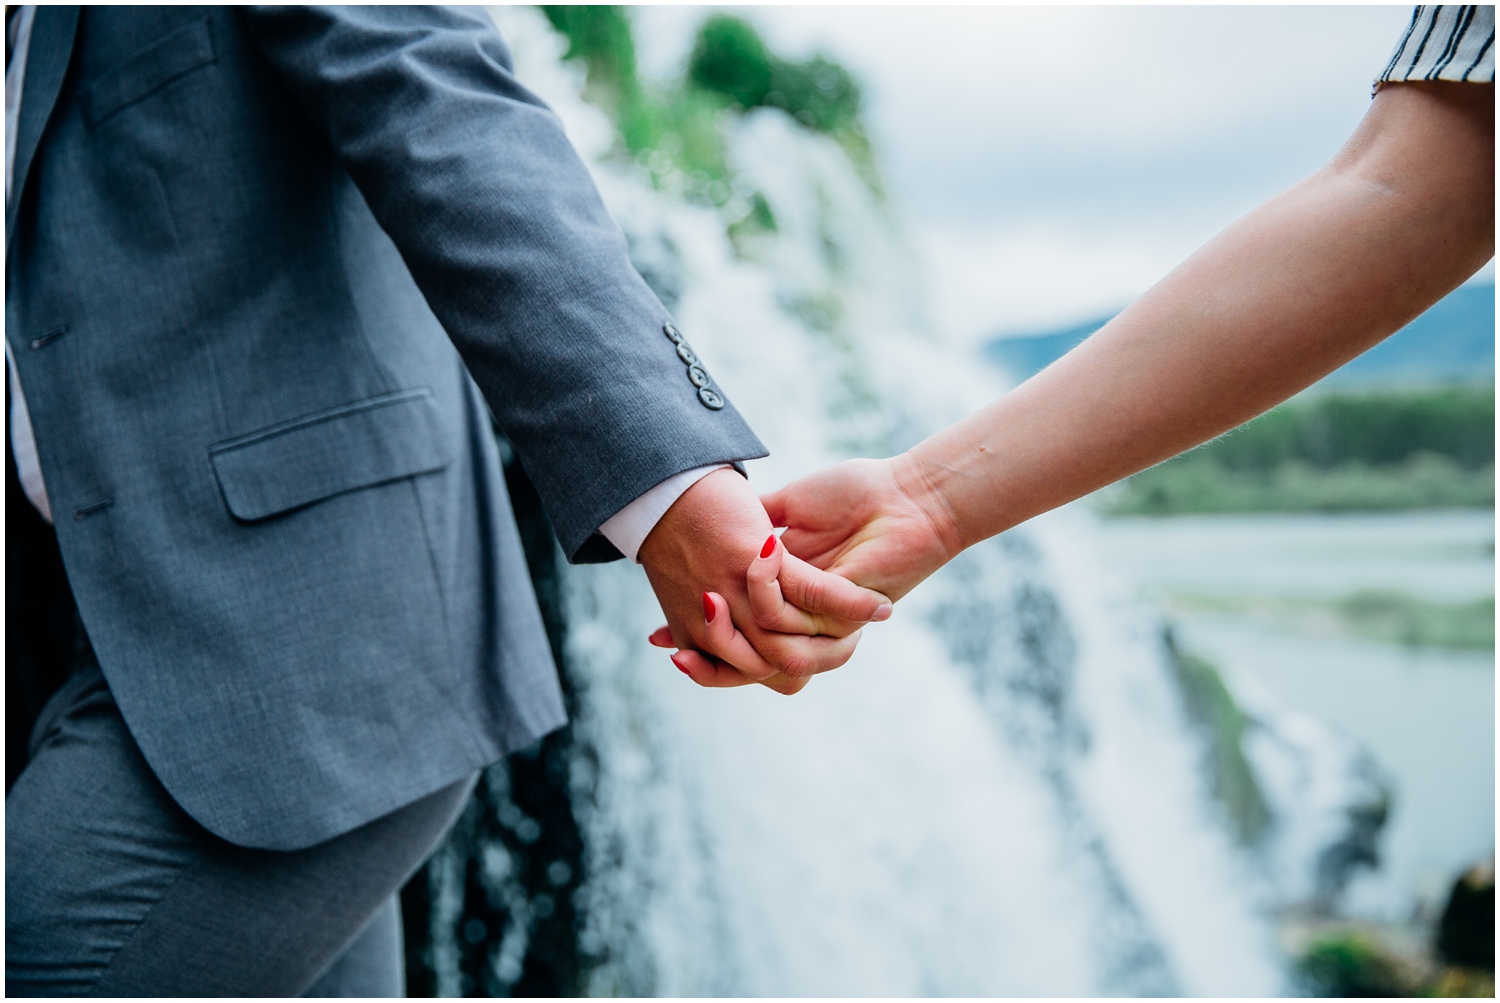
[[1353, 964], [729, 58], [818, 93], [676, 133], [599, 36]]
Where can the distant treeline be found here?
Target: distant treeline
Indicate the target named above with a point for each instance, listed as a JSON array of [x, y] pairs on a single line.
[[1377, 429], [1350, 451]]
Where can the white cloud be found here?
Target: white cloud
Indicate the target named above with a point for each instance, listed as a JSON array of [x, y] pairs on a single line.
[[1038, 276], [958, 95]]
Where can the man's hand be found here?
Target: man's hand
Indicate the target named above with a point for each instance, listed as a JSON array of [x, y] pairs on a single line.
[[704, 544], [875, 522]]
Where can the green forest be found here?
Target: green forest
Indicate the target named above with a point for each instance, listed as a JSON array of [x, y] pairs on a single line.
[[1335, 452]]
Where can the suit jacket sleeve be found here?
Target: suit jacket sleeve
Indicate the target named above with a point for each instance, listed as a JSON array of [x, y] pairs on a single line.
[[501, 226]]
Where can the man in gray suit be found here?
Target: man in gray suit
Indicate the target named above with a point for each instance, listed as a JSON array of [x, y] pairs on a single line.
[[269, 274]]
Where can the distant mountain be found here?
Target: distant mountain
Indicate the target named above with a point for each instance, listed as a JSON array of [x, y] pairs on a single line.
[[1025, 355], [1454, 342]]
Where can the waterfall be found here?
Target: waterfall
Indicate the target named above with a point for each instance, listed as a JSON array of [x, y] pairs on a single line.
[[1000, 794]]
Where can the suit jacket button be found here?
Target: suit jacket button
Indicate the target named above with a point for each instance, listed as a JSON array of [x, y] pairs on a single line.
[[686, 354], [698, 376], [673, 335], [710, 400]]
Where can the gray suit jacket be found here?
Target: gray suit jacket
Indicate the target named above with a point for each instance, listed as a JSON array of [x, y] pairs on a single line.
[[255, 258]]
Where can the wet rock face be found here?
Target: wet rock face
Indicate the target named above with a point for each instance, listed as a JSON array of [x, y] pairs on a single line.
[[1466, 933], [1359, 846], [1211, 708], [1021, 662]]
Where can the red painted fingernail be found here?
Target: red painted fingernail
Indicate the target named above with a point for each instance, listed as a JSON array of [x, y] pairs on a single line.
[[708, 608], [770, 546], [680, 667]]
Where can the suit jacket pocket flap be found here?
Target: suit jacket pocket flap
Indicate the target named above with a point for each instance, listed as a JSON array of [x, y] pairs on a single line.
[[320, 455], [179, 53]]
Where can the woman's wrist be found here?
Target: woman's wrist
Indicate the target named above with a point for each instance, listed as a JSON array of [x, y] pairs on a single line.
[[925, 485]]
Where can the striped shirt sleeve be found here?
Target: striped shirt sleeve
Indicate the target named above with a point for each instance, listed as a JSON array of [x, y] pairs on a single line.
[[1445, 42]]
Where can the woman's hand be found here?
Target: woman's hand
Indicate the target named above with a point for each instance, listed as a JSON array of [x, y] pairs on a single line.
[[705, 541], [878, 523], [772, 577], [870, 521]]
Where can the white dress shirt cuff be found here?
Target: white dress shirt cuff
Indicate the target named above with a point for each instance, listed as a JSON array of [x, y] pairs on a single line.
[[628, 528]]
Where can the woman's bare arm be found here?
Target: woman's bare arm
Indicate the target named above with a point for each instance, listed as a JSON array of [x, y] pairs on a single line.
[[1401, 216]]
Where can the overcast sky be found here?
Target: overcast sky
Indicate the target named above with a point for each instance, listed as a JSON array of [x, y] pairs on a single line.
[[1052, 162]]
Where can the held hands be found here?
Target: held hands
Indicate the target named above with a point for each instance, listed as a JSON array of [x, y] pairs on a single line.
[[729, 626], [876, 522], [795, 611]]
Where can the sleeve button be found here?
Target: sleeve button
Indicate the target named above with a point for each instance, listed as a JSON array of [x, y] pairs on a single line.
[[686, 354], [698, 376], [673, 335], [710, 400]]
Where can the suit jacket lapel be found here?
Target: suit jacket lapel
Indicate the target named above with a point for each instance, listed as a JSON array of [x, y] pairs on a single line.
[[46, 65]]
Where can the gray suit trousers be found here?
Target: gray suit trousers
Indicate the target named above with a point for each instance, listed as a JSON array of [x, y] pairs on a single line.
[[111, 889]]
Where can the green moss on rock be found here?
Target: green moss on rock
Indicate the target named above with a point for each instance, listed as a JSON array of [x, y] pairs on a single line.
[[1211, 707]]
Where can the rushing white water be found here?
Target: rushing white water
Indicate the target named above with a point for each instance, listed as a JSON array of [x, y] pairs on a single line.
[[999, 794]]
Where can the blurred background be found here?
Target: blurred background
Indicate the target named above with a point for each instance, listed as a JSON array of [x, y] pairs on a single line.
[[1226, 728]]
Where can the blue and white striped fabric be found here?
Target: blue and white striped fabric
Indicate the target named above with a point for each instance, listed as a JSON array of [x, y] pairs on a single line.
[[1445, 43]]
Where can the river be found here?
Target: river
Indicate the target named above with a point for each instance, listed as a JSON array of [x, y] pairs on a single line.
[[1426, 715]]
